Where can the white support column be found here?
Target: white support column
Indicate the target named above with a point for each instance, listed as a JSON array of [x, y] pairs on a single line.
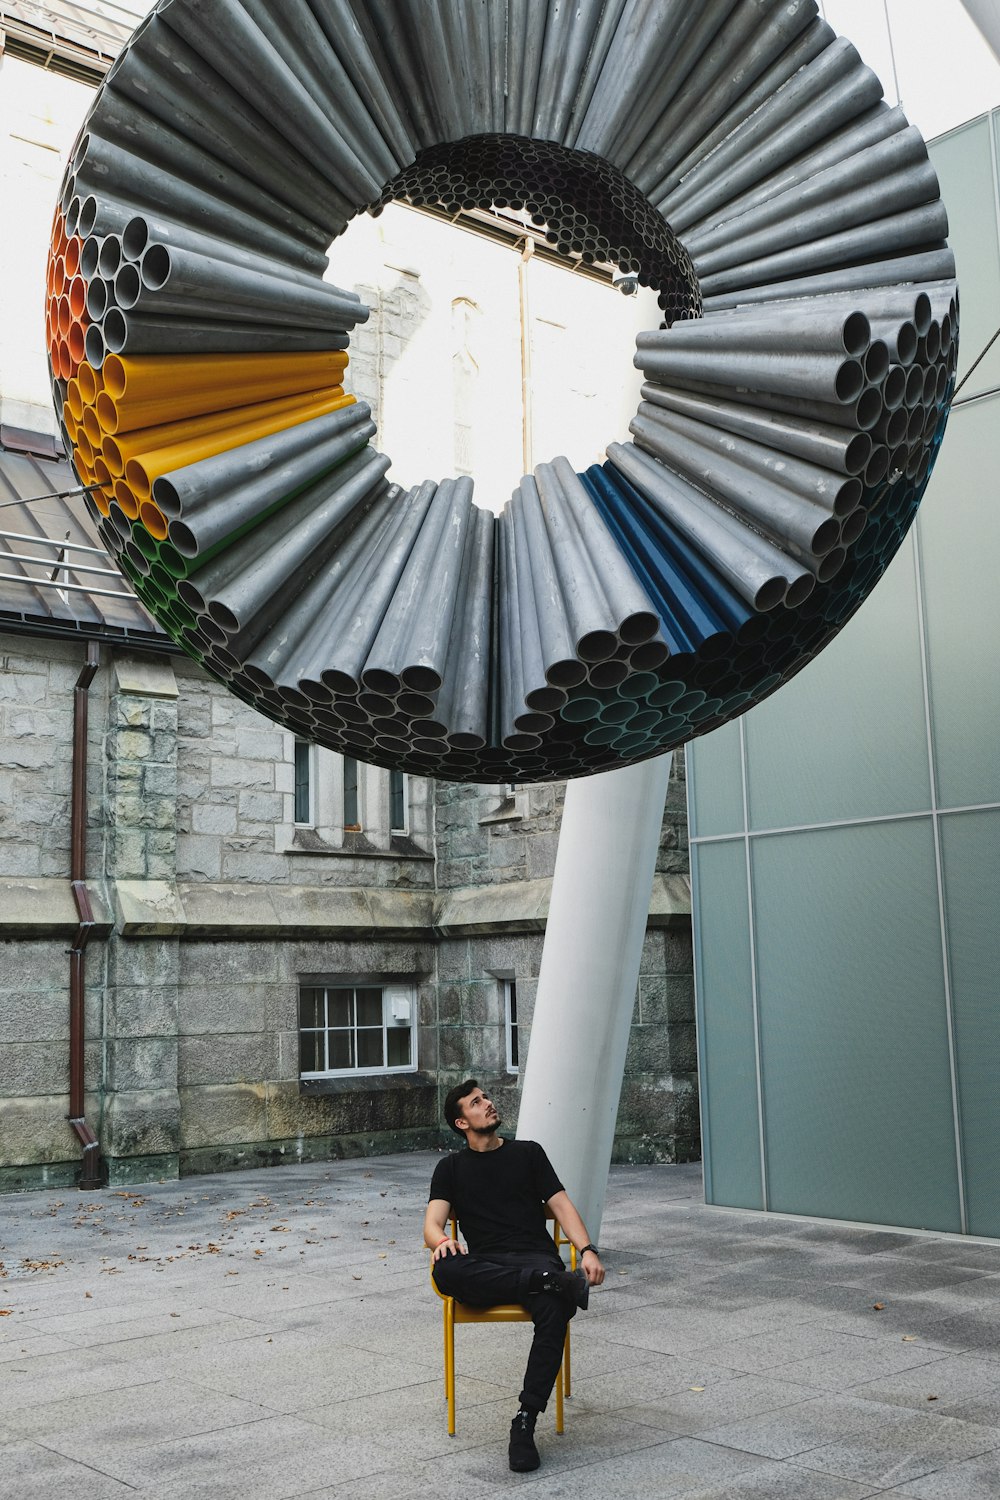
[[603, 880]]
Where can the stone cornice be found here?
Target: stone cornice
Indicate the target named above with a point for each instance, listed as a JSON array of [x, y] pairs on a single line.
[[42, 908]]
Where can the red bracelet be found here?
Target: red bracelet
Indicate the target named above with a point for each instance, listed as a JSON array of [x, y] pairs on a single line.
[[443, 1241]]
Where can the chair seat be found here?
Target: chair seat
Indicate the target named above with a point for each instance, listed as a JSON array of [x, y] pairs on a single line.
[[499, 1312]]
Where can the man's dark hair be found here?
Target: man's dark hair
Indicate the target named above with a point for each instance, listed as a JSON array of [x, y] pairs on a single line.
[[452, 1107]]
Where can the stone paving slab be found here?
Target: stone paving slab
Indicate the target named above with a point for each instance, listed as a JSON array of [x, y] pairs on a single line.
[[274, 1334]]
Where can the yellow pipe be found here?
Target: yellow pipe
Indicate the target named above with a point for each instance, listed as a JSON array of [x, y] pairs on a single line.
[[90, 383], [92, 427], [118, 450], [141, 470], [126, 499], [154, 520], [154, 377], [74, 397]]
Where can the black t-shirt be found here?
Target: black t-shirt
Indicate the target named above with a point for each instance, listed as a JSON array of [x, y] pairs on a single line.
[[499, 1196]]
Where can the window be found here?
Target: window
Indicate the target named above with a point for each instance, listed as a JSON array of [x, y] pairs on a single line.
[[352, 807], [509, 988], [355, 1028], [303, 782], [397, 801]]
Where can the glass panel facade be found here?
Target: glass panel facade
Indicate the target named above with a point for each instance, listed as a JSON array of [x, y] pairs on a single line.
[[870, 679], [959, 552], [720, 808], [853, 1025], [963, 163], [729, 1112], [971, 851]]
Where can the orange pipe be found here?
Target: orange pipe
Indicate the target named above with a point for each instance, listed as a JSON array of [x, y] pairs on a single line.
[[63, 362], [141, 470], [71, 255], [65, 316], [78, 297], [77, 342]]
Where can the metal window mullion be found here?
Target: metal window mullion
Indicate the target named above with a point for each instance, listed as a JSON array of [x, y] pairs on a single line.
[[754, 990], [949, 1004]]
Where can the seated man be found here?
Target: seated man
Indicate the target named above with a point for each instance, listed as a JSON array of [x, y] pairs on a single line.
[[499, 1190]]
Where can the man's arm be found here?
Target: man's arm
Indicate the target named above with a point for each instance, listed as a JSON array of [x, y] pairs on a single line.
[[575, 1231], [436, 1236]]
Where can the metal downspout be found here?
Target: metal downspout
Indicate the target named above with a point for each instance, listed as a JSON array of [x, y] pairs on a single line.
[[91, 1175]]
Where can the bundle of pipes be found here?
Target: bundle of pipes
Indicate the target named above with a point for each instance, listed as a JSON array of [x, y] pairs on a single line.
[[735, 156]]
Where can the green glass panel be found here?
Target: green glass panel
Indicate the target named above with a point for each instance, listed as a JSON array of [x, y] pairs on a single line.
[[847, 737], [858, 1113], [970, 846], [715, 783], [962, 160], [725, 1026], [959, 529]]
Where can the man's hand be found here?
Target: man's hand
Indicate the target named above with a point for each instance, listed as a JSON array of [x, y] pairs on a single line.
[[453, 1247], [591, 1266]]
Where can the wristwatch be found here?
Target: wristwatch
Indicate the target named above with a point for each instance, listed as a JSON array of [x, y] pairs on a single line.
[[591, 1247]]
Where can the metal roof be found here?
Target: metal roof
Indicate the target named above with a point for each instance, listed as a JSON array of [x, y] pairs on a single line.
[[81, 38], [56, 577]]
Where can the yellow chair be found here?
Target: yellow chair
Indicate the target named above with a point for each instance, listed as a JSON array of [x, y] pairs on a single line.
[[502, 1312]]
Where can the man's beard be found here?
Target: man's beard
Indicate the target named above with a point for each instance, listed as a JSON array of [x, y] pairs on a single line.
[[491, 1128]]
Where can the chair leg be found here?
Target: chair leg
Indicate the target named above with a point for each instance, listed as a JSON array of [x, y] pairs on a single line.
[[449, 1362], [568, 1366], [559, 1399]]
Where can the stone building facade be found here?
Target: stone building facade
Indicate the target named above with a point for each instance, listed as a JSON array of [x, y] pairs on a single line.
[[215, 910]]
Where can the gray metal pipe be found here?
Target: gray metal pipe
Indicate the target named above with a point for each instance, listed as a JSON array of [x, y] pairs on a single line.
[[808, 45], [913, 229], [875, 125], [832, 447], [229, 509], [823, 377], [143, 231], [170, 279], [411, 645], [828, 198], [108, 170], [753, 37], [627, 601], [837, 494], [463, 702], [227, 37], [809, 329], [893, 193], [795, 524], [563, 669], [170, 80], [122, 333], [525, 620], [355, 42], [759, 571], [832, 89], [886, 273]]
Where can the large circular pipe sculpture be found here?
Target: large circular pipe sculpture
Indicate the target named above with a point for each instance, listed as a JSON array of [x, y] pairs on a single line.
[[735, 155]]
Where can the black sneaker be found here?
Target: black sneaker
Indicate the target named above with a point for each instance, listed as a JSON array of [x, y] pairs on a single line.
[[522, 1453], [571, 1284]]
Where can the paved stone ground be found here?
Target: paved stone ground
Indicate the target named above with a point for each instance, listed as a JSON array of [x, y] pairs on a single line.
[[273, 1334]]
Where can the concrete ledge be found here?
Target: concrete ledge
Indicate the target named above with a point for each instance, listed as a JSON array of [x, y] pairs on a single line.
[[294, 1152], [39, 908], [293, 911], [521, 906], [144, 676], [148, 908]]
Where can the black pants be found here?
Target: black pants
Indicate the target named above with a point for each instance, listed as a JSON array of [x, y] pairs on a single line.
[[512, 1278]]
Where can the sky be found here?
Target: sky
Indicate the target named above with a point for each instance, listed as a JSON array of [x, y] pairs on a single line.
[[946, 72]]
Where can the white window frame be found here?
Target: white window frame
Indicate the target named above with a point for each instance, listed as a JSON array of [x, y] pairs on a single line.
[[309, 821], [508, 995], [403, 827], [397, 998]]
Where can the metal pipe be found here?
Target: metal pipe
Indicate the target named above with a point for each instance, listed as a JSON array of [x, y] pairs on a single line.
[[759, 571], [831, 447], [823, 377], [463, 702], [132, 333], [92, 1168], [842, 331]]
